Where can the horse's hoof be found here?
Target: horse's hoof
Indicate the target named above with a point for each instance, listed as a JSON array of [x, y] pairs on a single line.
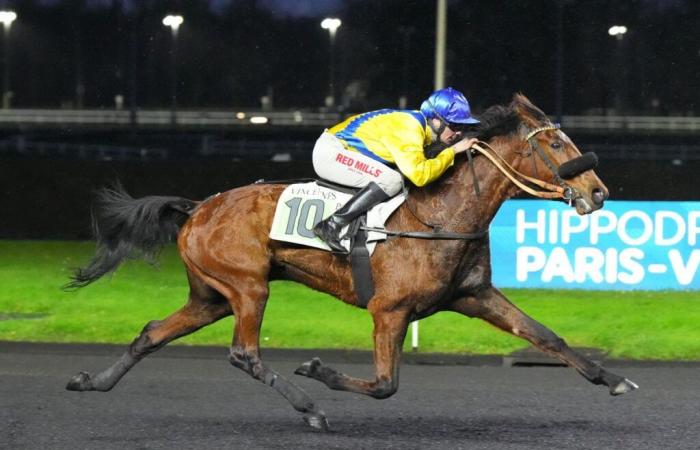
[[317, 420], [80, 382], [623, 387], [309, 368]]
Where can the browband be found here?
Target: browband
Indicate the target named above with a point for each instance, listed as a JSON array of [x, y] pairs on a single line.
[[537, 130]]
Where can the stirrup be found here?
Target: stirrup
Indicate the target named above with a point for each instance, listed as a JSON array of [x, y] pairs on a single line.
[[326, 232]]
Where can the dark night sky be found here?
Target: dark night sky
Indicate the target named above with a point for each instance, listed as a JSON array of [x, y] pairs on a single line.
[[232, 52], [280, 8]]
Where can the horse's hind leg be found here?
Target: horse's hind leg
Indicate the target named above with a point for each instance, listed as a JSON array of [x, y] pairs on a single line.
[[389, 333], [204, 307], [492, 306], [249, 306]]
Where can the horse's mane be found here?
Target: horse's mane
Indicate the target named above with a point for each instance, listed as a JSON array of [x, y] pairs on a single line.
[[497, 121], [501, 120]]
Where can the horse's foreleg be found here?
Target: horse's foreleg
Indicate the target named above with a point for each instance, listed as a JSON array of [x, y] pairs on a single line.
[[245, 355], [193, 316], [389, 333], [492, 306]]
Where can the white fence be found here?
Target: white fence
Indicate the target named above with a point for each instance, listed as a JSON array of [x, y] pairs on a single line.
[[233, 118], [124, 118]]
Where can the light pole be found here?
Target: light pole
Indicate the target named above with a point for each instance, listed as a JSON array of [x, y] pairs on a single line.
[[174, 22], [620, 81], [440, 43], [6, 17], [331, 24], [559, 74], [406, 33]]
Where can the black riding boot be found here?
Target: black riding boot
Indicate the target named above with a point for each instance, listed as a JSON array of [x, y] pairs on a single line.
[[329, 230]]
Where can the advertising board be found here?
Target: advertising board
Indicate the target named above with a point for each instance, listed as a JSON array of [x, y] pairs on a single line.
[[626, 245]]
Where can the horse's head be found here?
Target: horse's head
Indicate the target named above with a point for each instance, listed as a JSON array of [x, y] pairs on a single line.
[[548, 154]]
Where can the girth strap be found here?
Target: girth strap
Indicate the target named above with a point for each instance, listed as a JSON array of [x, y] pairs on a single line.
[[362, 279]]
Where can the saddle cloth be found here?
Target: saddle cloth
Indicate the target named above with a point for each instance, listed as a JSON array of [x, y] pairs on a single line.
[[303, 205]]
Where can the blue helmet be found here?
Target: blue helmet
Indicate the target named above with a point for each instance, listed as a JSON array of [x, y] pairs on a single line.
[[449, 105]]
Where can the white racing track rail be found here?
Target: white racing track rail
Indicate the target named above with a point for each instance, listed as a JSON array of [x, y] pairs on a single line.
[[117, 118]]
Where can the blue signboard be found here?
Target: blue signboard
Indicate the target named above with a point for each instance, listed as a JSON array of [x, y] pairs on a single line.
[[626, 245]]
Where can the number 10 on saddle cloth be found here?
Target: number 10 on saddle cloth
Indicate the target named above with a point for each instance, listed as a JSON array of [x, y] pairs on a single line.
[[303, 205]]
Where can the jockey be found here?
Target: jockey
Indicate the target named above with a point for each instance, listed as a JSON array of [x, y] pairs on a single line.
[[375, 150]]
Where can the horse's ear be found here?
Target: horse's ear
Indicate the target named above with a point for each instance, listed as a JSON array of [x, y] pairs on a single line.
[[528, 113], [520, 98]]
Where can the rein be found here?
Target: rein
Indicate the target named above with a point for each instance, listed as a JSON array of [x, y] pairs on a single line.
[[446, 235], [435, 234], [550, 191]]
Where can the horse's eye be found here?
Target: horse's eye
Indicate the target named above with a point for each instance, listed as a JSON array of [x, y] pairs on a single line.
[[556, 145]]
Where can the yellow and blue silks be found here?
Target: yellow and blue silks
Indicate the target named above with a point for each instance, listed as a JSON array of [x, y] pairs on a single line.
[[395, 137]]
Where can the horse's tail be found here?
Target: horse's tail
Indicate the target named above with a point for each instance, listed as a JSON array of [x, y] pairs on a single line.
[[125, 227]]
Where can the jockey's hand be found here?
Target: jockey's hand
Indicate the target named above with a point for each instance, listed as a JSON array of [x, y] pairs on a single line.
[[464, 145]]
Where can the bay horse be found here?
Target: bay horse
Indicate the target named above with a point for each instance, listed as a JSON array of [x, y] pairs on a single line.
[[230, 260]]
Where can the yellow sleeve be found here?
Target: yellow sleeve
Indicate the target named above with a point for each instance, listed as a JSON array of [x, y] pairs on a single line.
[[406, 148]]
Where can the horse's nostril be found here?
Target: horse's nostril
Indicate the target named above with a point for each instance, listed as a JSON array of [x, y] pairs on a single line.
[[598, 196]]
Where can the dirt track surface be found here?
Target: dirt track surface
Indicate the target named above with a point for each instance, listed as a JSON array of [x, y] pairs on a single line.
[[198, 400]]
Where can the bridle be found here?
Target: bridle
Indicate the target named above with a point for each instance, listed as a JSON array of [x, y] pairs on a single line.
[[547, 190], [570, 193]]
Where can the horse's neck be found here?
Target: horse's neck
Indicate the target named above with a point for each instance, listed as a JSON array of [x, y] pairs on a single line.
[[453, 203]]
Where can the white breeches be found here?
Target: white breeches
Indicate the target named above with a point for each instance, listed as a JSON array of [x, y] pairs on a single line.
[[334, 163]]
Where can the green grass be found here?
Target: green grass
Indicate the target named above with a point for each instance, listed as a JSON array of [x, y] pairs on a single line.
[[639, 325]]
